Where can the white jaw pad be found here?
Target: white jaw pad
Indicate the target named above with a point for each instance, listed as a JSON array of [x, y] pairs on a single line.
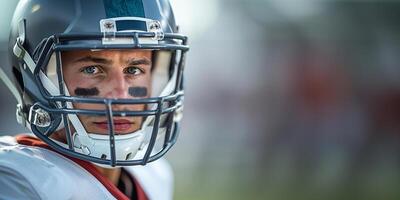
[[126, 146]]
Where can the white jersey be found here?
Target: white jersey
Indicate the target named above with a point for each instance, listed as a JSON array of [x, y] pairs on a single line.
[[28, 172]]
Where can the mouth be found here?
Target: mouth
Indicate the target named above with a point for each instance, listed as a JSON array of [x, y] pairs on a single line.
[[120, 125]]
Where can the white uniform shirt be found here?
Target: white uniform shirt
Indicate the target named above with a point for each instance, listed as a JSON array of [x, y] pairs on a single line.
[[28, 172]]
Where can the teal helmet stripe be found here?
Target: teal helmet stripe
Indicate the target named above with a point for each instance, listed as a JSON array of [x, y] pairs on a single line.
[[124, 8]]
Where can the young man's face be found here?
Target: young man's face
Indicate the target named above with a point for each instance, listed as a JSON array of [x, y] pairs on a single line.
[[122, 74]]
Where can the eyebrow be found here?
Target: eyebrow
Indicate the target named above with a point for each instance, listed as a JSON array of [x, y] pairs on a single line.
[[139, 61], [133, 61], [93, 59]]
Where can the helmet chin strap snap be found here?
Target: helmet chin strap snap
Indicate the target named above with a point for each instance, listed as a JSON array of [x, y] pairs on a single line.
[[39, 117]]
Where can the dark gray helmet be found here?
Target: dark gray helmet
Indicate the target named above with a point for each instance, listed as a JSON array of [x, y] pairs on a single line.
[[43, 30]]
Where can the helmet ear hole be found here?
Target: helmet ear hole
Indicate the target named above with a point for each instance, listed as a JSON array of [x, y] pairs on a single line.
[[18, 77]]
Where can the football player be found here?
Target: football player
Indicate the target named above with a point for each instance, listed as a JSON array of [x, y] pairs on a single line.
[[100, 85]]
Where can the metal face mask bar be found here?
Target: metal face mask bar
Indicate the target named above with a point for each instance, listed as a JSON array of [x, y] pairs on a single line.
[[46, 115]]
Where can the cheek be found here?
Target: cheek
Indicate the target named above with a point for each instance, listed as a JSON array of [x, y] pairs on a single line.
[[84, 86], [78, 86], [100, 107], [138, 91], [86, 91], [89, 106], [140, 87]]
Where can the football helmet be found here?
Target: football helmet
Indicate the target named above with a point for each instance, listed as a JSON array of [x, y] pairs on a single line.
[[44, 31]]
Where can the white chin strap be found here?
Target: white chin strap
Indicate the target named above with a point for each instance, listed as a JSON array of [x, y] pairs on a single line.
[[128, 147], [99, 145]]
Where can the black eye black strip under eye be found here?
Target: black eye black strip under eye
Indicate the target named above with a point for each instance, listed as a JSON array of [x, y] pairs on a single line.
[[86, 91], [138, 91]]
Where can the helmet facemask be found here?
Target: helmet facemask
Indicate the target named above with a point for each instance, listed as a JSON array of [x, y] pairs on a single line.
[[92, 123]]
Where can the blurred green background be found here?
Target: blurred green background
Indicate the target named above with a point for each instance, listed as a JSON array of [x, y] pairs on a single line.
[[285, 99]]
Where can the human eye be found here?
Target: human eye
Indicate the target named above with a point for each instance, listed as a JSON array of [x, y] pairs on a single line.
[[133, 70], [91, 70]]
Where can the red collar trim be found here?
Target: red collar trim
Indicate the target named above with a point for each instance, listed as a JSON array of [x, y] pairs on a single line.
[[139, 191], [33, 141]]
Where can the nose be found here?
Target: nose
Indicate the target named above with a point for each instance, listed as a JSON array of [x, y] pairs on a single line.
[[117, 85]]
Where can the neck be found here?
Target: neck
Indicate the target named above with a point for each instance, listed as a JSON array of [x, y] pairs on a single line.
[[111, 174]]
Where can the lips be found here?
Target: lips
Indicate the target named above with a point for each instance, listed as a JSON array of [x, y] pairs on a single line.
[[119, 125]]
